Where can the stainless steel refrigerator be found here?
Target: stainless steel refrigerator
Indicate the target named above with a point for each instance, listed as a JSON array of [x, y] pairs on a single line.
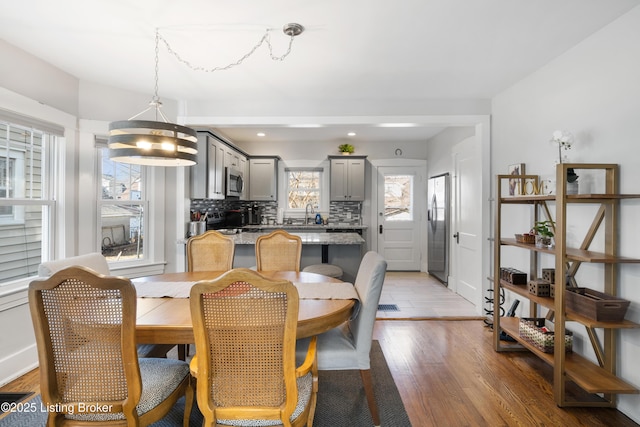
[[438, 226]]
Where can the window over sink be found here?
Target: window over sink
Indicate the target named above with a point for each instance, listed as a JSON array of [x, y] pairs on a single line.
[[303, 187], [302, 183]]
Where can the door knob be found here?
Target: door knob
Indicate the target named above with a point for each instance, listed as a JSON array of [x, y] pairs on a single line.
[[380, 228], [457, 237]]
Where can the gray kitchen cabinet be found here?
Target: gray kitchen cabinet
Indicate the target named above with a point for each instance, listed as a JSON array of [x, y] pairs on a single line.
[[207, 176], [347, 178], [232, 159], [263, 178]]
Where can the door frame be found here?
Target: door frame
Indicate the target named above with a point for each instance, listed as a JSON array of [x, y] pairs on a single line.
[[482, 125]]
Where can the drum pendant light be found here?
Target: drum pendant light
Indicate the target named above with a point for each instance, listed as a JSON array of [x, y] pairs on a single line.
[[152, 143]]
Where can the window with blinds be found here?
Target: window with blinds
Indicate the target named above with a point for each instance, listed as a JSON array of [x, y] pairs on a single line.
[[304, 186]]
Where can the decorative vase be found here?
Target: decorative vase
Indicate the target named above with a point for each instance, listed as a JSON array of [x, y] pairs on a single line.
[[543, 241], [346, 153], [572, 187]]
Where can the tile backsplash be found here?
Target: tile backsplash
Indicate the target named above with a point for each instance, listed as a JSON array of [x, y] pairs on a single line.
[[339, 212]]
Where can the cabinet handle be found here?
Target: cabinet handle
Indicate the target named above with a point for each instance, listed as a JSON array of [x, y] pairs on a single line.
[[380, 228]]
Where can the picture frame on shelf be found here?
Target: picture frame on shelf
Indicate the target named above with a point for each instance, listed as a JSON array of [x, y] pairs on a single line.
[[516, 186]]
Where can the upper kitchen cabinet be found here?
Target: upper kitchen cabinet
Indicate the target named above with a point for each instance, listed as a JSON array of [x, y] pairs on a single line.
[[208, 176], [263, 178], [347, 178]]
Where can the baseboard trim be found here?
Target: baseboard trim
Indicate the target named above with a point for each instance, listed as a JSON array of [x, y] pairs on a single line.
[[17, 364]]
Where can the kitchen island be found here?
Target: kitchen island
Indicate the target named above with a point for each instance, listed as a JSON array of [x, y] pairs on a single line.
[[342, 249]]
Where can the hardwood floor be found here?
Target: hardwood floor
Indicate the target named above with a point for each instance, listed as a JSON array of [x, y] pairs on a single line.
[[449, 375]]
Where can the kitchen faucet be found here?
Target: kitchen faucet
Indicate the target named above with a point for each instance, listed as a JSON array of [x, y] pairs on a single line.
[[306, 212]]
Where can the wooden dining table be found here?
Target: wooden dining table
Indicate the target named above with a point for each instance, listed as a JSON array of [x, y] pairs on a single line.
[[168, 320]]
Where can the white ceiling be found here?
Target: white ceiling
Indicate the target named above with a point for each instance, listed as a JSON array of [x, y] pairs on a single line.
[[355, 58]]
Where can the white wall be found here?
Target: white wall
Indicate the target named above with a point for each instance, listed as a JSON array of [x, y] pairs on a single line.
[[439, 149], [38, 80], [593, 91]]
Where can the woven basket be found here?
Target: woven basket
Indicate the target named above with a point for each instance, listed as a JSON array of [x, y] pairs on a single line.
[[525, 238], [530, 329]]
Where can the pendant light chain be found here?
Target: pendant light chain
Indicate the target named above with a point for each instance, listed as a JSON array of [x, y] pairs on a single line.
[[155, 93], [266, 38], [156, 98]]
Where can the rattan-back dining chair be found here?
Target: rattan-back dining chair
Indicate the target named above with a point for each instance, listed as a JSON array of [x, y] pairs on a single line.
[[278, 251], [211, 251], [245, 330], [84, 324], [98, 263], [349, 345]]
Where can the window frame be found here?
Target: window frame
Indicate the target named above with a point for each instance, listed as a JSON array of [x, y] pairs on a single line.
[[322, 166], [51, 143], [319, 189], [144, 203]]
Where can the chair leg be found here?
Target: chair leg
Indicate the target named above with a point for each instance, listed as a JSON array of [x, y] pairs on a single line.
[[371, 398], [189, 398], [183, 351]]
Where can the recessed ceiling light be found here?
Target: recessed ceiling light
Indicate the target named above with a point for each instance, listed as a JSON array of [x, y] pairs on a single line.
[[306, 125], [351, 134], [260, 134], [397, 125]]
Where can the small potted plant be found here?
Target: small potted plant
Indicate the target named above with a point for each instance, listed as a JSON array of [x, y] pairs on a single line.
[[544, 233], [346, 149]]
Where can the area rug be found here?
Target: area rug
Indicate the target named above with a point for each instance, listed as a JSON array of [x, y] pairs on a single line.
[[341, 402]]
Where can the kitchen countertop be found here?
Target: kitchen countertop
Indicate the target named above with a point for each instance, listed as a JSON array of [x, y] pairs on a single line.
[[321, 238], [307, 238], [338, 226]]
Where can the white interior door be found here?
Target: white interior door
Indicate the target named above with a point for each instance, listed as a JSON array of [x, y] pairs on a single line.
[[467, 221], [399, 216]]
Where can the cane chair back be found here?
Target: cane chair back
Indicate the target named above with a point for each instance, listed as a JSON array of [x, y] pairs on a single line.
[[211, 251], [85, 333], [278, 251], [245, 330]]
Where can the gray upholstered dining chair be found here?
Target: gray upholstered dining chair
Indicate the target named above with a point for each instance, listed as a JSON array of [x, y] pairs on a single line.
[[84, 323], [348, 346], [94, 260]]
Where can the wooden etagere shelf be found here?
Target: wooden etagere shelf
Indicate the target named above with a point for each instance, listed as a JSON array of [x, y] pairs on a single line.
[[597, 378]]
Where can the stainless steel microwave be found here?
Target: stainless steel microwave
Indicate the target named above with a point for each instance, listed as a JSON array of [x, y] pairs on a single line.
[[234, 183]]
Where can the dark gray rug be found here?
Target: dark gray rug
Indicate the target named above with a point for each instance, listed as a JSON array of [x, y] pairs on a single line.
[[341, 402]]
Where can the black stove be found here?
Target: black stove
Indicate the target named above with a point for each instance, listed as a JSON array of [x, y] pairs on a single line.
[[215, 221]]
